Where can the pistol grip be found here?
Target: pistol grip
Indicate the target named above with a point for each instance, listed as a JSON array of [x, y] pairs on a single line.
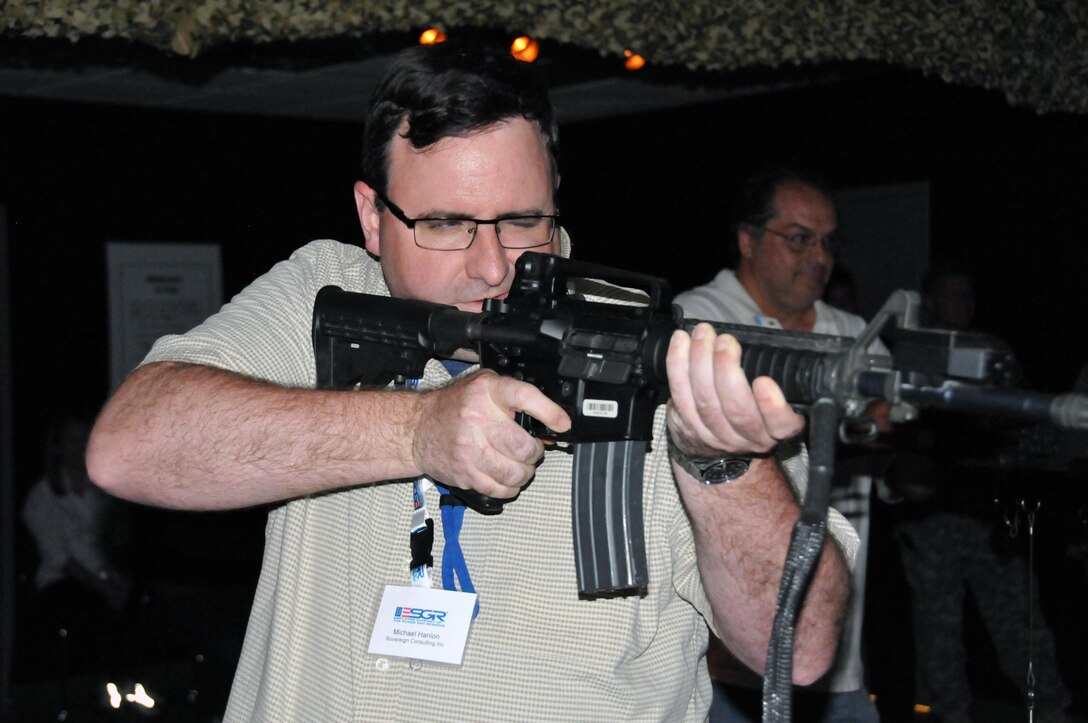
[[481, 503]]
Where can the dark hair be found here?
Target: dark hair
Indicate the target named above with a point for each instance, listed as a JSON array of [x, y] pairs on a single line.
[[452, 90], [943, 269], [755, 205]]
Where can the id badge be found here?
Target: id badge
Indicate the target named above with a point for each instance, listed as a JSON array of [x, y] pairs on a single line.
[[422, 624]]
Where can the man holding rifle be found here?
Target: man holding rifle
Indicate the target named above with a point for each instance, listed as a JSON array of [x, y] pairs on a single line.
[[460, 179]]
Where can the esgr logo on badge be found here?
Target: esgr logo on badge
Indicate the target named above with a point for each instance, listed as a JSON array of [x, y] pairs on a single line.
[[420, 616]]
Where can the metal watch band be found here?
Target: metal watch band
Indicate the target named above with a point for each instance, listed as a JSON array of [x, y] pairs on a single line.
[[711, 470]]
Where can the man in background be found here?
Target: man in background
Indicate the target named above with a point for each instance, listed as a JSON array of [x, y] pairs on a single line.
[[787, 243]]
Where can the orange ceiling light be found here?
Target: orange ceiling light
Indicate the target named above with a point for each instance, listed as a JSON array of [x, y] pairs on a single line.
[[525, 49], [432, 36], [633, 61]]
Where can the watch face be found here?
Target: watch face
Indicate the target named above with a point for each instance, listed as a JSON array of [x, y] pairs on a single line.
[[725, 470]]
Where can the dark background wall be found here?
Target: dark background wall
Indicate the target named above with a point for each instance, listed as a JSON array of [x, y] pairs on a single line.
[[647, 193]]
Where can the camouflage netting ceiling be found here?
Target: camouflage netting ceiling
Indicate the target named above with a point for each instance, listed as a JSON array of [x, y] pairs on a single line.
[[1035, 52]]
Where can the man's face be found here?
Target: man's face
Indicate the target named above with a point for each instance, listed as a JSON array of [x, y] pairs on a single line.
[[788, 280], [500, 171]]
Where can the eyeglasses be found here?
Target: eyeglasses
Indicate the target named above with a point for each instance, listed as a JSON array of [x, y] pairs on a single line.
[[457, 234], [801, 242]]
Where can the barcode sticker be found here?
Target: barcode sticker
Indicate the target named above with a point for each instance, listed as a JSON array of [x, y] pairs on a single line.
[[600, 408]]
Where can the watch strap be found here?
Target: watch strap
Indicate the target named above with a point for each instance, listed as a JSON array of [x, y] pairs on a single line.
[[710, 470]]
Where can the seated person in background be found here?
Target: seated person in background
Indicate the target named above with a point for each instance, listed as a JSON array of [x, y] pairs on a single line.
[[79, 585], [786, 238], [227, 416]]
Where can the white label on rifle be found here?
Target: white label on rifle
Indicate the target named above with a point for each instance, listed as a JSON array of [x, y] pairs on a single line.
[[600, 408]]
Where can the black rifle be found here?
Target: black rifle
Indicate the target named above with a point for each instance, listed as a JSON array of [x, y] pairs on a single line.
[[604, 363]]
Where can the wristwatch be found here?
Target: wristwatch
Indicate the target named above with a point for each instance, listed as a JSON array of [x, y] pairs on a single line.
[[711, 470]]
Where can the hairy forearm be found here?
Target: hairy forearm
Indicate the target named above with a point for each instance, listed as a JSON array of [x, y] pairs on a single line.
[[194, 437], [742, 533]]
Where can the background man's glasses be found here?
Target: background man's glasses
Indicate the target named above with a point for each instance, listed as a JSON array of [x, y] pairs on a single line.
[[457, 234], [801, 242]]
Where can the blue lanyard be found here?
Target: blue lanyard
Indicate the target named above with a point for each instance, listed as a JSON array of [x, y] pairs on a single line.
[[453, 557]]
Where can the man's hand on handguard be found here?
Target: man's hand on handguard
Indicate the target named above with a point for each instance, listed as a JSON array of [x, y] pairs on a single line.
[[714, 410], [467, 436]]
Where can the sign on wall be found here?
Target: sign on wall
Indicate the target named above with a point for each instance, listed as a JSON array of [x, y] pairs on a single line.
[[157, 289]]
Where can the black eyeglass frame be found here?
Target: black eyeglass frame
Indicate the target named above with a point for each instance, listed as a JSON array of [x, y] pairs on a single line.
[[832, 243], [401, 216]]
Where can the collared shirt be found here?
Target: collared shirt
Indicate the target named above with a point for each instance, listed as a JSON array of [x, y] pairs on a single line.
[[724, 299]]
